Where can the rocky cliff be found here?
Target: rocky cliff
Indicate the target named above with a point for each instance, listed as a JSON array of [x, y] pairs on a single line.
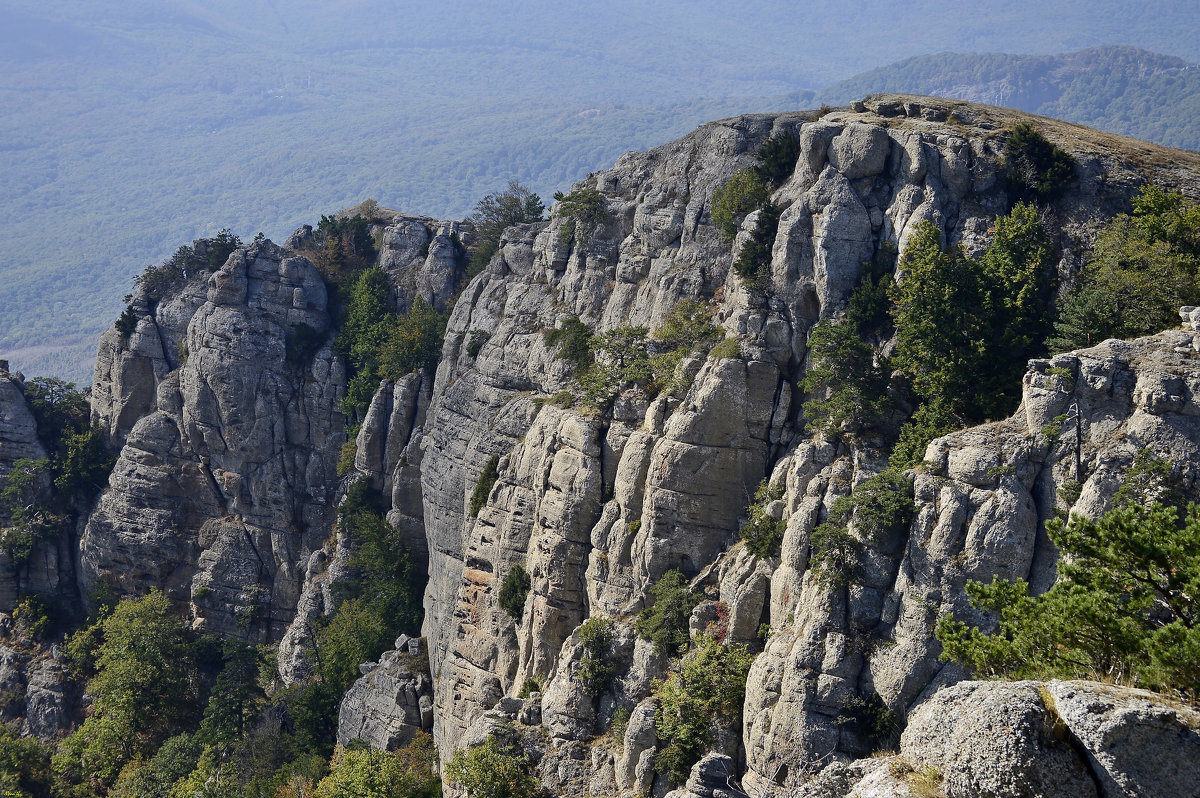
[[596, 508], [224, 491]]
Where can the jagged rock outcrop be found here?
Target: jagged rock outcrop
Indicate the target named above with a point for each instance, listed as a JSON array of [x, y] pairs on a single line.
[[596, 507], [391, 702], [223, 491], [37, 698]]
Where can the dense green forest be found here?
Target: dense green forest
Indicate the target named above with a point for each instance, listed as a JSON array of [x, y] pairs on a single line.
[[130, 128], [1119, 89]]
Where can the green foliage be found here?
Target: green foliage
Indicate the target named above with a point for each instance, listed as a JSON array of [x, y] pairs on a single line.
[[870, 307], [665, 621], [777, 159], [24, 766], [1141, 270], [530, 686], [741, 194], [705, 693], [932, 420], [596, 668], [877, 508], [30, 521], [302, 343], [487, 479], [476, 341], [141, 692], [729, 349], [582, 210], [83, 465], [688, 328], [219, 248], [496, 769], [59, 408], [753, 263], [966, 327], [154, 777], [497, 212], [762, 533], [846, 387], [237, 697], [381, 345], [345, 247], [1034, 169], [414, 342], [572, 342], [126, 323], [370, 773], [513, 591], [383, 602], [870, 718], [159, 282], [1124, 606]]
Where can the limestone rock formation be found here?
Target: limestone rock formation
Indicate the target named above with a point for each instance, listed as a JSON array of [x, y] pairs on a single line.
[[596, 507], [391, 702], [223, 491], [225, 488]]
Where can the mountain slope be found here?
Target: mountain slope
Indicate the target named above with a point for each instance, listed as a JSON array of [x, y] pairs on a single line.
[[1124, 90]]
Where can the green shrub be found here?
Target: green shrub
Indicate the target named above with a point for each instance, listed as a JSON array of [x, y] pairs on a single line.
[[753, 263], [494, 214], [665, 621], [877, 507], [24, 765], [158, 282], [966, 327], [704, 694], [220, 248], [414, 341], [529, 687], [846, 387], [126, 324], [741, 194], [777, 159], [370, 773], [583, 210], [487, 478], [1034, 169], [496, 769], [1142, 268], [596, 668], [1124, 606], [476, 341], [729, 349], [762, 533], [572, 343], [513, 591]]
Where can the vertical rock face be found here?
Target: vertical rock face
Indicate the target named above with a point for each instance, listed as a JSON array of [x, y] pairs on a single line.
[[596, 507], [222, 492]]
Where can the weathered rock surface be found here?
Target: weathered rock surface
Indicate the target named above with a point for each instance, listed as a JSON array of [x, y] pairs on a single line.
[[36, 695], [224, 490], [390, 703], [995, 738], [597, 507]]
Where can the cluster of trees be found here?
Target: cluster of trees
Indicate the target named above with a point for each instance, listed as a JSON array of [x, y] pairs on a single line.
[[1143, 267], [1125, 607], [749, 190], [174, 714], [624, 357], [497, 212], [39, 497], [379, 344]]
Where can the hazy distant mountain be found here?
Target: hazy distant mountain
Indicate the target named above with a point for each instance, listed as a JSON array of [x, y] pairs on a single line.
[[1119, 89], [131, 125]]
